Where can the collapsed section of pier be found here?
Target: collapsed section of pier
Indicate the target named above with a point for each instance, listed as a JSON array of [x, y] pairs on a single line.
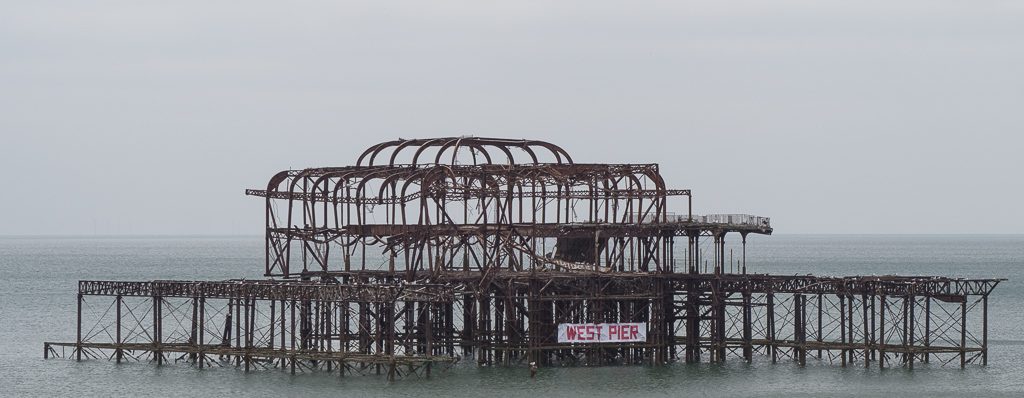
[[505, 251]]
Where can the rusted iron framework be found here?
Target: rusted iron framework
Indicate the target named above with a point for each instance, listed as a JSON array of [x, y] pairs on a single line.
[[428, 251], [469, 204]]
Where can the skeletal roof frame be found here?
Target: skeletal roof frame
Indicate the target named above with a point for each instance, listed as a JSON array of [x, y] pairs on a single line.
[[497, 203]]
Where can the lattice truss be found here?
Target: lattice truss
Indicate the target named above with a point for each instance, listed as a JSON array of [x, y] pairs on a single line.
[[256, 330], [843, 328], [508, 317]]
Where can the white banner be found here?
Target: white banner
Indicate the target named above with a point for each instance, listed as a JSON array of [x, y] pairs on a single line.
[[601, 332]]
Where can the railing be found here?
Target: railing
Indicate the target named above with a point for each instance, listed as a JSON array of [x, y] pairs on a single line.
[[271, 290], [722, 219], [730, 219], [650, 218]]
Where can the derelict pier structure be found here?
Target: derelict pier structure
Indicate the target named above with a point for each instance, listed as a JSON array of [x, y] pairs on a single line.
[[508, 252]]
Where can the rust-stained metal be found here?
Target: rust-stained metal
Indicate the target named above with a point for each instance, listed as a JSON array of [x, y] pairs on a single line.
[[430, 250]]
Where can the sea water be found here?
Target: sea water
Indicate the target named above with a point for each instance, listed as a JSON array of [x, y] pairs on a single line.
[[38, 283]]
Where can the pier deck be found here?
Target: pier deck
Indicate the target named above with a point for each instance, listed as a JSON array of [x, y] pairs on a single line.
[[377, 318]]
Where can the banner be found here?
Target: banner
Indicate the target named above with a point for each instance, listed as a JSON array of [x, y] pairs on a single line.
[[601, 332]]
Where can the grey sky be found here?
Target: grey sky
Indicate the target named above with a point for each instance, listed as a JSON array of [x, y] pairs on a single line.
[[830, 117]]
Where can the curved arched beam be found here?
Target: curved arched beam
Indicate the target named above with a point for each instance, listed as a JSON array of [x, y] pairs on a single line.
[[428, 144], [458, 143], [394, 153], [370, 154], [374, 150]]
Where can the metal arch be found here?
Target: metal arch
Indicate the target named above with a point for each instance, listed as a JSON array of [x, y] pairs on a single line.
[[555, 150], [428, 144], [457, 143], [278, 178], [529, 151], [370, 154], [374, 150], [398, 148]]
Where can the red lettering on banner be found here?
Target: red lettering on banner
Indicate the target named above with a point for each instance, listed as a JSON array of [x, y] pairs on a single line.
[[596, 332]]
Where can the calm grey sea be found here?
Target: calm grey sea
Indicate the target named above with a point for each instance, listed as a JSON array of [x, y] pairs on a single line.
[[40, 274]]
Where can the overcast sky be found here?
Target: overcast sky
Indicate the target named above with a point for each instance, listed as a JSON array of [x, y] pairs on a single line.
[[129, 117]]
